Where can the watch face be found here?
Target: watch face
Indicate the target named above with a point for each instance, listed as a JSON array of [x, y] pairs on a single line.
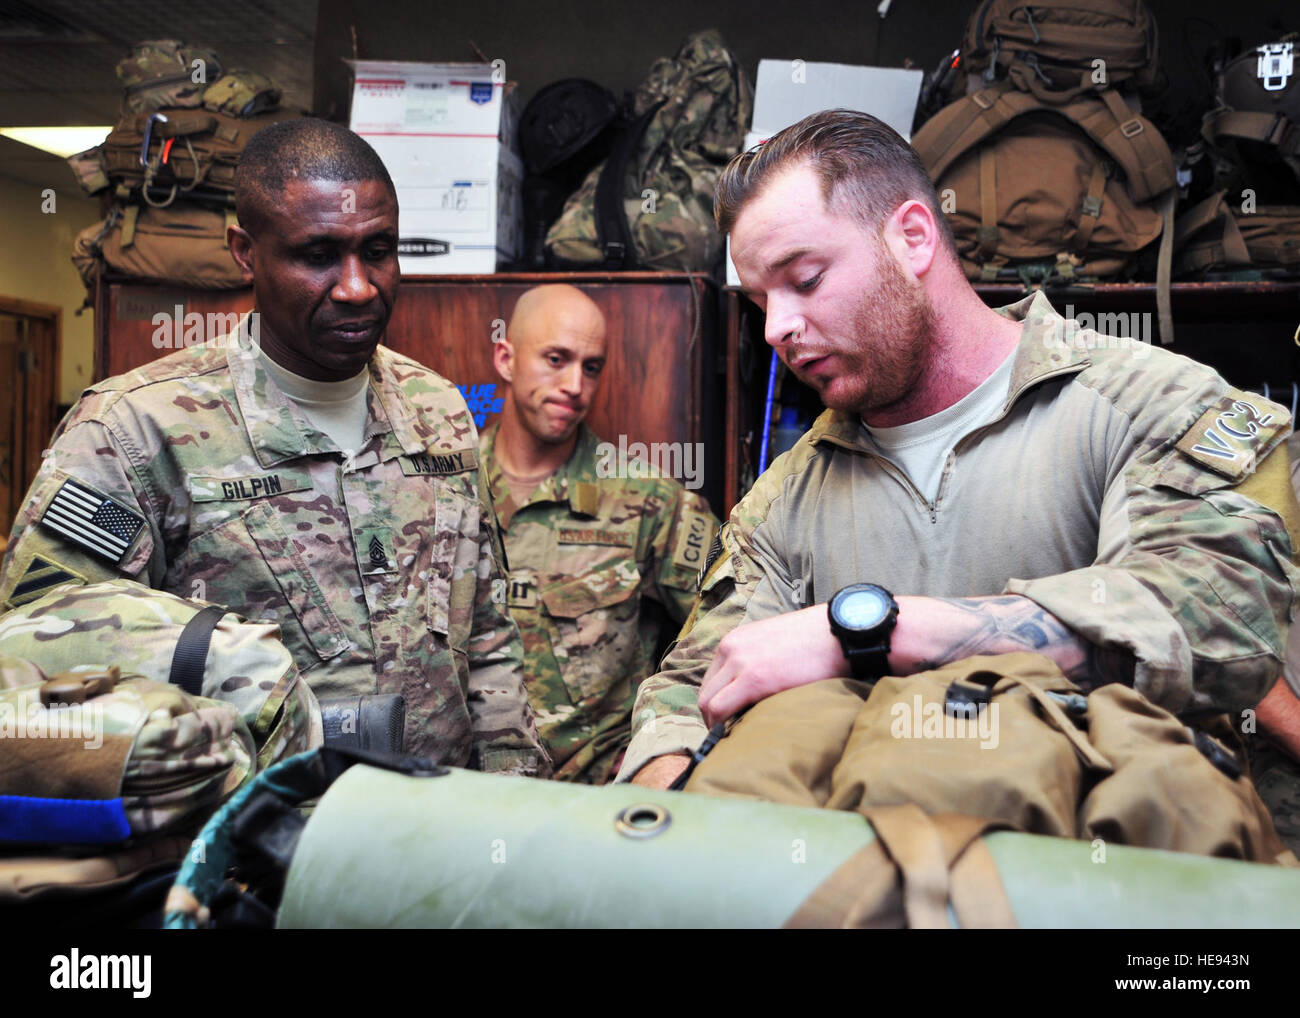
[[862, 609]]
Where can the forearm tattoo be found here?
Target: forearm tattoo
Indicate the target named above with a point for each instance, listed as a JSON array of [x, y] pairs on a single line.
[[1008, 623]]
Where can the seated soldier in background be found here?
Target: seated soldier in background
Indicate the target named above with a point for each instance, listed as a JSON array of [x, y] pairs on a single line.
[[599, 564], [302, 473]]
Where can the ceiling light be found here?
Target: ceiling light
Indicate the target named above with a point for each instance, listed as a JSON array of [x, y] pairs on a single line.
[[62, 141]]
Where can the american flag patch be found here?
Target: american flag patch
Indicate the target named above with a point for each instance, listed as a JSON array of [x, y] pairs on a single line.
[[92, 521]]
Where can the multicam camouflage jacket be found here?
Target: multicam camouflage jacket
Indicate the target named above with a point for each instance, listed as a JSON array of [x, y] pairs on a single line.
[[585, 552], [1129, 491], [196, 475]]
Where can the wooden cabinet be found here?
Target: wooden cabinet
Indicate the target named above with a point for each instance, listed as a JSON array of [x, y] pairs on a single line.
[[662, 382]]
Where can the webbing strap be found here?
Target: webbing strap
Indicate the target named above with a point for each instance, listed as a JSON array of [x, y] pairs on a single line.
[[966, 123], [1271, 128], [908, 875], [913, 843], [988, 231], [1165, 269], [1090, 212], [189, 659], [129, 216], [1059, 720], [1130, 140]]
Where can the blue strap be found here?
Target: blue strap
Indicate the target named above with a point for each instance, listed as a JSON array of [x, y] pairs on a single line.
[[29, 820]]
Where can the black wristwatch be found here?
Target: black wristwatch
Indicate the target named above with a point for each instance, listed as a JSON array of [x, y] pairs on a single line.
[[863, 616]]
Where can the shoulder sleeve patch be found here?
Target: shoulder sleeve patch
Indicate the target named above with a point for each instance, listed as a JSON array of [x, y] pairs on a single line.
[[40, 576], [92, 521], [1231, 435], [693, 533]]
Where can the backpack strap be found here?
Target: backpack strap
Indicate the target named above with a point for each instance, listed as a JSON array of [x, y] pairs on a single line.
[[962, 125], [1165, 268], [189, 659], [1090, 209], [1128, 138], [988, 230], [613, 235], [909, 874], [1274, 129]]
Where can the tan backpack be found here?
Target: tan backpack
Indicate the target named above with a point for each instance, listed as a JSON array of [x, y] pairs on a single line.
[[1059, 49], [184, 244], [1036, 190]]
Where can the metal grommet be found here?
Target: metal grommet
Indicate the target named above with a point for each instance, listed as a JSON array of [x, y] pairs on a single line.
[[642, 820]]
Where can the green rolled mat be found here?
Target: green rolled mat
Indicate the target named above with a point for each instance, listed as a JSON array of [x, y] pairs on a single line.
[[466, 849]]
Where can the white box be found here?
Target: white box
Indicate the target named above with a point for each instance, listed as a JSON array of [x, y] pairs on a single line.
[[446, 132], [789, 90]]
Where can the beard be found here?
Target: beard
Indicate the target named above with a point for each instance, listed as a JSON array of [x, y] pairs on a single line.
[[892, 327]]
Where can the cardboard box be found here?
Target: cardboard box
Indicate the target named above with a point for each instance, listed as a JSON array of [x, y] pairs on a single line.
[[789, 90], [446, 132]]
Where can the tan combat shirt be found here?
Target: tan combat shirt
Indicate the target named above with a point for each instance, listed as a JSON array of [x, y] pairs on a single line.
[[586, 552], [194, 474], [1118, 489]]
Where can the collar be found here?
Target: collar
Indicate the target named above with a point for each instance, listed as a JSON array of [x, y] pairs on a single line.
[[279, 431], [1044, 352], [574, 481]]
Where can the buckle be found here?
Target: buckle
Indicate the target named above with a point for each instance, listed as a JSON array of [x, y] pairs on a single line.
[[1282, 134], [1217, 753], [969, 696], [77, 687], [1131, 128], [1276, 63], [1091, 206], [983, 100]]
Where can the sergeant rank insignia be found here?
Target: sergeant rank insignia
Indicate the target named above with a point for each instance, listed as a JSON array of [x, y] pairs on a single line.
[[93, 522], [40, 576]]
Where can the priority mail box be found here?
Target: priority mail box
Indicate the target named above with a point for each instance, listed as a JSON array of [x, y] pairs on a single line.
[[789, 90], [446, 132]]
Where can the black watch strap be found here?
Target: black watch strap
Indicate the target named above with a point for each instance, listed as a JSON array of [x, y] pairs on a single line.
[[868, 663]]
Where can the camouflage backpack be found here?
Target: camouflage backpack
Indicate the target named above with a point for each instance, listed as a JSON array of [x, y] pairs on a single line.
[[650, 204], [166, 73], [90, 756], [123, 624]]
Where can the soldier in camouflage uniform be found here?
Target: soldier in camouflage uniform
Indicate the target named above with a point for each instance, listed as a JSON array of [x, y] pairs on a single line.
[[596, 560], [1117, 508], [197, 474], [1273, 737]]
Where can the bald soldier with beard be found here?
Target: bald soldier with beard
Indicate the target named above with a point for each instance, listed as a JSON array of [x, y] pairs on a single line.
[[983, 481], [602, 568]]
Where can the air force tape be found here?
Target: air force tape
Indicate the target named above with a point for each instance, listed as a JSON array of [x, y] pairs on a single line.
[[92, 521]]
